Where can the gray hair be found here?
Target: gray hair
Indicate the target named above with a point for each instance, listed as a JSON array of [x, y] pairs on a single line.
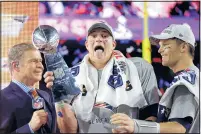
[[16, 52]]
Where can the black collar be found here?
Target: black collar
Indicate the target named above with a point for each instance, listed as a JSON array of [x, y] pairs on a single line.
[[178, 72]]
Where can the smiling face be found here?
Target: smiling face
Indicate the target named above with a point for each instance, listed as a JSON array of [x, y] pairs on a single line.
[[30, 67], [170, 52], [100, 46]]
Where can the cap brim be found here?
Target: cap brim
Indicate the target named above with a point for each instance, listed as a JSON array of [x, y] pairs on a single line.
[[154, 39], [102, 28], [100, 25]]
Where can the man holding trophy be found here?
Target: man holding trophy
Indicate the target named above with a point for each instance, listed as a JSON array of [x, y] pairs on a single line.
[[104, 83], [23, 109], [46, 39]]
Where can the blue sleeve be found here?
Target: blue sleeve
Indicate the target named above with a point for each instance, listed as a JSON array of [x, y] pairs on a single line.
[[23, 129], [30, 129], [7, 118], [148, 111]]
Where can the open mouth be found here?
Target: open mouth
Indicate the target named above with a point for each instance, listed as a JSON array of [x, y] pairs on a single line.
[[99, 48]]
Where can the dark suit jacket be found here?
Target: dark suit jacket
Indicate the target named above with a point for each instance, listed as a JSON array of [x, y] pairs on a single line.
[[16, 110]]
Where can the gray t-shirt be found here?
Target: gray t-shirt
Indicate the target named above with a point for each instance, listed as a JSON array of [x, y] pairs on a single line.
[[99, 75], [184, 104], [147, 77], [148, 80], [149, 86]]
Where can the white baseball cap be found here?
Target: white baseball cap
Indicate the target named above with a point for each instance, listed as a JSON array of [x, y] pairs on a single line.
[[180, 31]]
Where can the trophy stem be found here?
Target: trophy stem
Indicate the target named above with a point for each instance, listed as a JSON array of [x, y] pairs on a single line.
[[64, 85]]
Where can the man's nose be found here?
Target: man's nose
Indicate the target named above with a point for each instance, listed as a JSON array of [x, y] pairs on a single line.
[[160, 50], [99, 39], [40, 65]]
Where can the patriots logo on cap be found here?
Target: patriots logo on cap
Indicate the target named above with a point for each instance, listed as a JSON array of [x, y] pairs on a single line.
[[167, 31]]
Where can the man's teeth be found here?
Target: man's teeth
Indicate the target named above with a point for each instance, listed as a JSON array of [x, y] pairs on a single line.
[[99, 50]]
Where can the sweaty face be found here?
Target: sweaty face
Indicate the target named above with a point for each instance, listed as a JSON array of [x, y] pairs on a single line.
[[100, 45], [170, 52], [30, 66]]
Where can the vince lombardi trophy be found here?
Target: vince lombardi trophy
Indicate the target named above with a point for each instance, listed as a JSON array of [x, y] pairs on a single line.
[[46, 39]]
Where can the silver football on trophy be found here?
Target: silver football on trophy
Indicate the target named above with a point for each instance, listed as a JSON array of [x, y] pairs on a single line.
[[46, 39]]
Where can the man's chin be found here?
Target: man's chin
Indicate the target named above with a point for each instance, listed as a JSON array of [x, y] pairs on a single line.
[[37, 79], [100, 58], [165, 64]]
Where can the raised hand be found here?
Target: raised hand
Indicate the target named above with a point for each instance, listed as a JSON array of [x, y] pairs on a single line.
[[124, 122], [49, 78], [38, 119]]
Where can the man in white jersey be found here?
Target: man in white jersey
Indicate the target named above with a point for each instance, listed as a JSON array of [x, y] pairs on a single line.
[[110, 83], [178, 110]]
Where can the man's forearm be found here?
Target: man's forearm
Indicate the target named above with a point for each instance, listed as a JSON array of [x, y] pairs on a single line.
[[151, 118], [171, 127], [66, 120], [141, 126]]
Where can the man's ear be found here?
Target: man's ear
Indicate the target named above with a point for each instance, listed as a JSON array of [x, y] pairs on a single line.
[[183, 47], [114, 44], [15, 66], [86, 44]]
